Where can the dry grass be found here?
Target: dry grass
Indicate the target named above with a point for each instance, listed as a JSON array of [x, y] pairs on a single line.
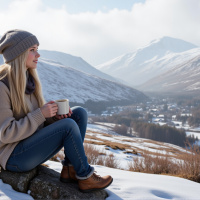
[[105, 134], [175, 162], [188, 166], [95, 139], [131, 152], [96, 157], [44, 165], [107, 143], [153, 165]]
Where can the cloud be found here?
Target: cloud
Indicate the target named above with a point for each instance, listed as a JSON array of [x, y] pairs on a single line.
[[98, 37]]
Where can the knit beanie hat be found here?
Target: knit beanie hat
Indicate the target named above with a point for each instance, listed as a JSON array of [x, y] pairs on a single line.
[[15, 42]]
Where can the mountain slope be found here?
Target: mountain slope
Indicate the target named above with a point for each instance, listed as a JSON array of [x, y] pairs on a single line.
[[74, 62], [182, 78], [59, 82], [149, 61]]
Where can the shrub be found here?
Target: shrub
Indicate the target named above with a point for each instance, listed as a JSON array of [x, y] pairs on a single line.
[[186, 165], [96, 157], [121, 129]]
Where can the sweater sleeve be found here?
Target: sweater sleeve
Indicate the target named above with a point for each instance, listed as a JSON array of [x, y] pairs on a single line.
[[12, 130]]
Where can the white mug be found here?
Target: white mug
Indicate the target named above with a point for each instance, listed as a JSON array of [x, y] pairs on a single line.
[[63, 106]]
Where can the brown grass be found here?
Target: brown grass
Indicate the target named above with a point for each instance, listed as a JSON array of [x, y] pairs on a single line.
[[131, 152], [107, 135], [96, 157], [181, 164], [107, 143], [136, 150], [187, 167]]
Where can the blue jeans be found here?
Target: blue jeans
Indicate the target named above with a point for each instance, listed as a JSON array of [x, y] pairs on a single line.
[[45, 143]]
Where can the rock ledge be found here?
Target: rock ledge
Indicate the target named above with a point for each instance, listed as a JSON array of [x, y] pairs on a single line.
[[43, 183]]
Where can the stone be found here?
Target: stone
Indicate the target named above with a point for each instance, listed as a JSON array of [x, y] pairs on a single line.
[[43, 183], [19, 181]]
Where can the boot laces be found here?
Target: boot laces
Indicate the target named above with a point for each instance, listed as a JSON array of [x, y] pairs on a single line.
[[96, 177]]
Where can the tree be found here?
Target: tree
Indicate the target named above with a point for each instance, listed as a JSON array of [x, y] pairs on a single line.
[[165, 107], [122, 130]]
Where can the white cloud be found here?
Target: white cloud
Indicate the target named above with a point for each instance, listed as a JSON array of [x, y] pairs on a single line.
[[100, 36]]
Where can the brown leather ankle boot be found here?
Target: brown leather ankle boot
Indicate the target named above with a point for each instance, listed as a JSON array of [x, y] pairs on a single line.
[[94, 182], [68, 175]]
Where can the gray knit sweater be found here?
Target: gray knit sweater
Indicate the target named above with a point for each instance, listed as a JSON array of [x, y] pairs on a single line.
[[14, 128]]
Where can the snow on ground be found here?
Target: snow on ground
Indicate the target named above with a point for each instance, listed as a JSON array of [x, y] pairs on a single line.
[[140, 186], [196, 134], [129, 185], [7, 193], [140, 145], [101, 128], [106, 124], [126, 184], [195, 129]]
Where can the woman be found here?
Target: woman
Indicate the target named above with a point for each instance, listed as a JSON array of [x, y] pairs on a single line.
[[30, 131]]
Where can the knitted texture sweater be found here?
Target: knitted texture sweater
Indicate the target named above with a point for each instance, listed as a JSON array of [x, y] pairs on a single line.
[[14, 128]]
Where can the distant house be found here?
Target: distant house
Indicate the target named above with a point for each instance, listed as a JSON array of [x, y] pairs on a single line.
[[177, 123], [155, 120], [173, 117], [171, 107], [153, 110], [161, 116], [104, 114], [186, 114]]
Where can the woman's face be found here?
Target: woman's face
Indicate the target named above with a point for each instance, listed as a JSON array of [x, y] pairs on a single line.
[[33, 55]]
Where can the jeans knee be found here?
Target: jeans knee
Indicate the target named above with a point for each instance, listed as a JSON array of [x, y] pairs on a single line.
[[69, 123], [80, 111], [70, 126]]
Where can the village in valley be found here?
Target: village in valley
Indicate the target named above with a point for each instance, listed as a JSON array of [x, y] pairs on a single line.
[[173, 112]]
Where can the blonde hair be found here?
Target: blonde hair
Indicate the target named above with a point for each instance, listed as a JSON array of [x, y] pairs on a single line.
[[15, 71]]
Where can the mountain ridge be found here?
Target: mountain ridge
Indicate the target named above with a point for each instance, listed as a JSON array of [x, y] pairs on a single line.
[[74, 62], [60, 81], [80, 87], [182, 78], [149, 61]]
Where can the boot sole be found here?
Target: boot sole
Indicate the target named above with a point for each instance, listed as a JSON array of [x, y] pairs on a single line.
[[96, 189], [68, 180]]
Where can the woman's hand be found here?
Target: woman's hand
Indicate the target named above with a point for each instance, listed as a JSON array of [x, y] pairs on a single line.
[[64, 116], [49, 109]]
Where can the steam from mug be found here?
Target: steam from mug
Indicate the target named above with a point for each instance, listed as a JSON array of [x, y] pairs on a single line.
[[63, 106]]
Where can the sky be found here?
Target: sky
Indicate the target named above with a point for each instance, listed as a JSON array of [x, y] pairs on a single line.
[[99, 31]]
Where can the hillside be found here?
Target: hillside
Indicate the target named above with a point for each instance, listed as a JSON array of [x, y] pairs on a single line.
[[128, 185], [150, 61], [59, 81], [74, 62], [181, 79]]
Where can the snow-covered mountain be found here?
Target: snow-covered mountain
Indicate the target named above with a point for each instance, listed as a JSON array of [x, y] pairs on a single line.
[[151, 60], [182, 78], [60, 82], [74, 62]]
